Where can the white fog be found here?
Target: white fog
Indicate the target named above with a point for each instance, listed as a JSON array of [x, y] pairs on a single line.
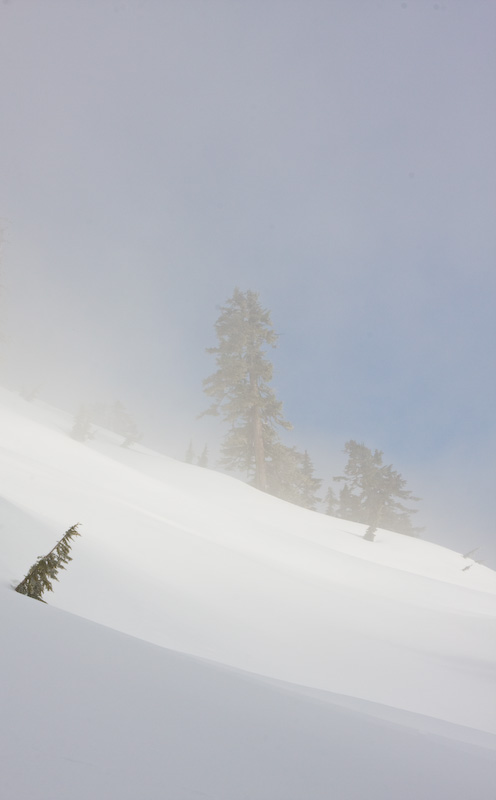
[[163, 165]]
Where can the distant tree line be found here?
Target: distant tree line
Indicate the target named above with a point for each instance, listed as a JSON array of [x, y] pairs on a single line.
[[191, 457], [112, 416], [372, 492]]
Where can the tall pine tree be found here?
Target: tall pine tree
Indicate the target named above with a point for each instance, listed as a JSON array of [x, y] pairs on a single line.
[[240, 387]]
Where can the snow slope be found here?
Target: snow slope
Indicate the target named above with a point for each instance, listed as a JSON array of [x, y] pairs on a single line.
[[336, 667]]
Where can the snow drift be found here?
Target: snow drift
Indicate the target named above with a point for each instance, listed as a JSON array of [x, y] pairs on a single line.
[[281, 655]]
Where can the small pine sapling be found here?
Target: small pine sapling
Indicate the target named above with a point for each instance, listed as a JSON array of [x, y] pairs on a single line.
[[369, 534], [44, 571]]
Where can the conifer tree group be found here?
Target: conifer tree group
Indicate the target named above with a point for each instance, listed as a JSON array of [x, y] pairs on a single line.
[[112, 416], [371, 493], [374, 493], [291, 477], [201, 460]]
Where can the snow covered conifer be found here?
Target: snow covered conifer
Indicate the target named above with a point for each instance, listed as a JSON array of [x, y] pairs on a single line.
[[44, 571]]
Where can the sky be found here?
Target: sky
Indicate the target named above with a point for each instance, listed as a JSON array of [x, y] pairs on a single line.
[[337, 157]]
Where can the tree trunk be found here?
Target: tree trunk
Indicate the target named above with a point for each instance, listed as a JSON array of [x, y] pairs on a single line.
[[260, 474], [258, 443]]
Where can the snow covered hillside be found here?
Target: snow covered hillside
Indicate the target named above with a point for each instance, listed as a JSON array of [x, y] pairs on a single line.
[[282, 657]]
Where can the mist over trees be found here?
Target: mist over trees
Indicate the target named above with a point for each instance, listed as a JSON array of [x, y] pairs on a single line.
[[242, 395], [191, 457], [291, 477], [82, 429], [240, 388], [240, 391], [190, 453], [111, 416], [203, 458], [372, 493]]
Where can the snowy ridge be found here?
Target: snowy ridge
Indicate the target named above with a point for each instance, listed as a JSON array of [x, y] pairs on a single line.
[[321, 648]]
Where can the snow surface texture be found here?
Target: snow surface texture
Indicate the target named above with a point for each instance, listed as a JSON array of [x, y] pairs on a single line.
[[282, 657]]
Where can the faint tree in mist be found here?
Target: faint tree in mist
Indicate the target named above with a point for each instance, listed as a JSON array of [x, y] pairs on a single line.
[[290, 475], [115, 417], [111, 416], [374, 493], [29, 393], [240, 387], [203, 459], [331, 502], [81, 428], [190, 453]]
